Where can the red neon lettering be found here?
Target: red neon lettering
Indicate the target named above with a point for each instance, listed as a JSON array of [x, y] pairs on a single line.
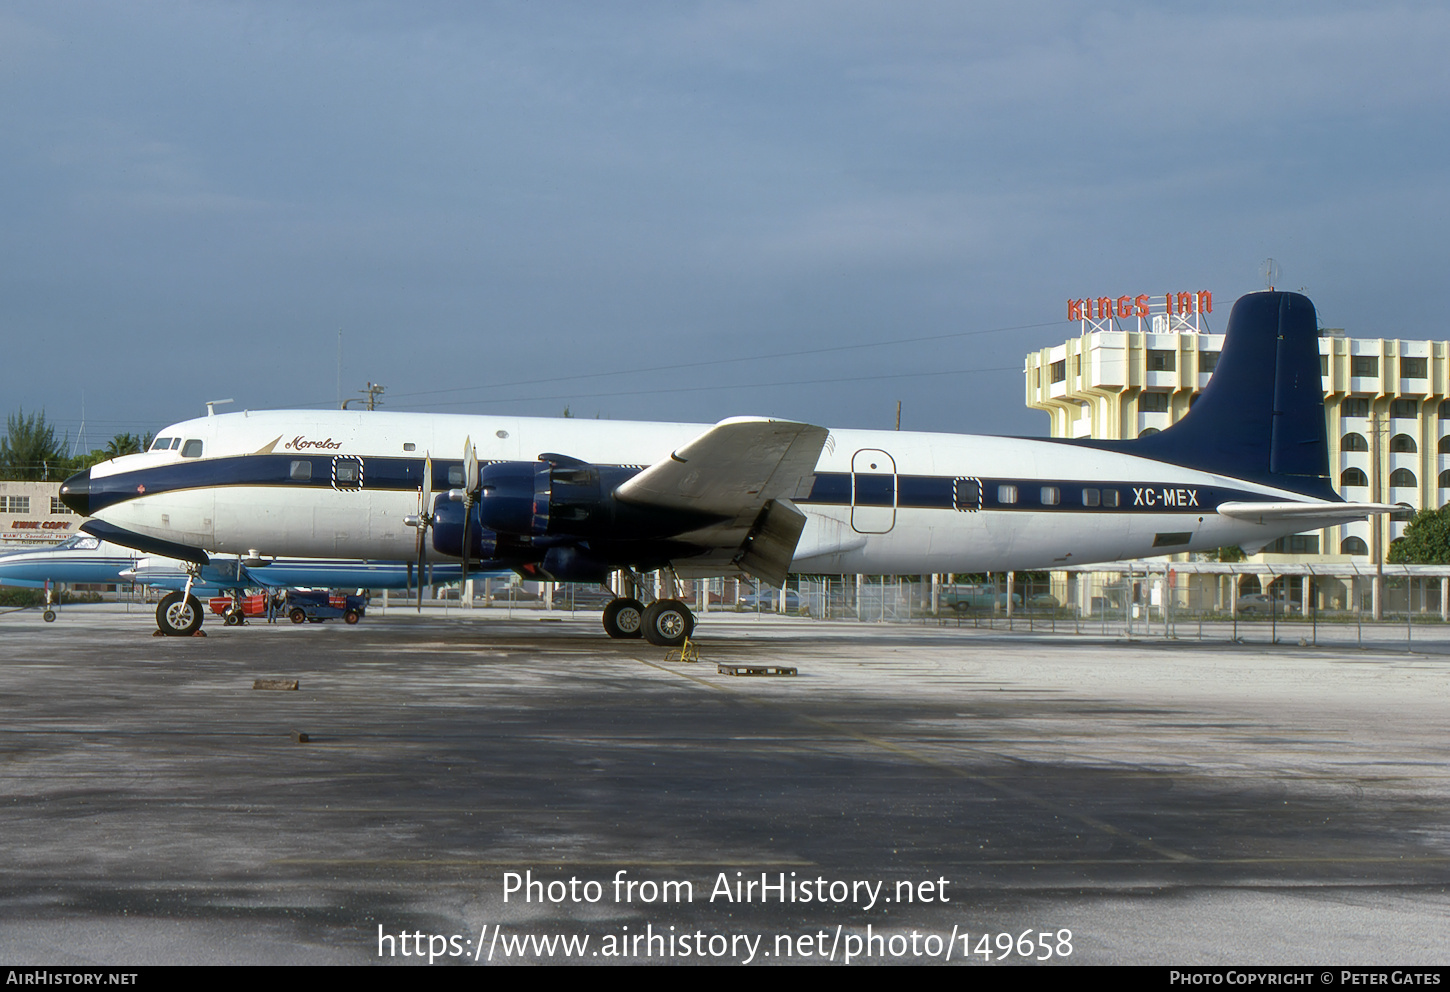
[[1125, 308], [1185, 303], [1205, 301], [1074, 309], [1105, 307]]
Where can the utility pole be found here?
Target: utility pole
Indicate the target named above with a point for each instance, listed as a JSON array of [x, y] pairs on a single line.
[[373, 392], [1376, 530]]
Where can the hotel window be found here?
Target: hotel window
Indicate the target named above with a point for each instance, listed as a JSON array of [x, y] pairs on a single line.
[[1153, 403], [1412, 368], [1404, 409], [1403, 444], [1353, 442], [1207, 361], [1058, 371], [1353, 546], [1161, 361], [1353, 477], [1403, 478], [1364, 365], [1357, 406]]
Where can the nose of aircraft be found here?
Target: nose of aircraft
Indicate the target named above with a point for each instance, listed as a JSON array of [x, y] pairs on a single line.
[[75, 493]]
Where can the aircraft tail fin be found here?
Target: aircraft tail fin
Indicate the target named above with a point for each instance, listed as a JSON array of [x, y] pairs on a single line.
[[1261, 416]]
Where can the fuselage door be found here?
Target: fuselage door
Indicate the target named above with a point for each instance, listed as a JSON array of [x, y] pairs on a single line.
[[873, 491]]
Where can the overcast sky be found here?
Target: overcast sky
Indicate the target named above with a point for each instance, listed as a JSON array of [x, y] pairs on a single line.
[[518, 207]]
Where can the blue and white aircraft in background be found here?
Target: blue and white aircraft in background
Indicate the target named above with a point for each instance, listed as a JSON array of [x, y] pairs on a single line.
[[87, 559], [577, 500]]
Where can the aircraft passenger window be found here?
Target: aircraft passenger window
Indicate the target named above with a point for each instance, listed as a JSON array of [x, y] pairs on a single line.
[[161, 444], [409, 446], [1092, 497], [1051, 495], [1110, 497], [301, 471], [346, 470], [455, 475], [1006, 494], [191, 449]]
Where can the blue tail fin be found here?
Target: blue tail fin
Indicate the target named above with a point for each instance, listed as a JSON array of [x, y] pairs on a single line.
[[1261, 416]]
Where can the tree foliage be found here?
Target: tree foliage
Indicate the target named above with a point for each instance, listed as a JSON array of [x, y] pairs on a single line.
[[30, 450], [1426, 540]]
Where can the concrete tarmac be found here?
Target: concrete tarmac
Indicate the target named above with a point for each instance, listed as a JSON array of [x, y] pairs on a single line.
[[1079, 799]]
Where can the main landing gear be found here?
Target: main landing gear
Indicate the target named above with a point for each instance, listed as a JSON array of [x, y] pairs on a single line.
[[665, 622]]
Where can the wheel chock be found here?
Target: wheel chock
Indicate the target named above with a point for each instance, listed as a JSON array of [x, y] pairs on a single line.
[[687, 652]]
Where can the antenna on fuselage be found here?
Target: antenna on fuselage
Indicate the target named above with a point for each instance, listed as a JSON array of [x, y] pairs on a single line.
[[211, 406]]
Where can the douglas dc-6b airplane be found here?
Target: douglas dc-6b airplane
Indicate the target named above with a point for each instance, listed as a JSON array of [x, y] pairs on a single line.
[[574, 500]]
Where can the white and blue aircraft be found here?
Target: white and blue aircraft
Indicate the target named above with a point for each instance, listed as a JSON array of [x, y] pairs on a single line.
[[577, 500], [87, 559]]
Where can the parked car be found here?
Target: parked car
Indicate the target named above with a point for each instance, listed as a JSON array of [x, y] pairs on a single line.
[[963, 598], [582, 597], [1259, 603], [769, 599]]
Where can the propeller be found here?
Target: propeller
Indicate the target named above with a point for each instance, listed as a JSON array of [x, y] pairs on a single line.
[[470, 487], [423, 520]]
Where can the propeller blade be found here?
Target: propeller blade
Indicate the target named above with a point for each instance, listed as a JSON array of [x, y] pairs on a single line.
[[425, 518], [470, 493]]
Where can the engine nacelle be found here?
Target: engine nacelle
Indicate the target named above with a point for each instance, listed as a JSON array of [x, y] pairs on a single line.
[[514, 497], [547, 498], [447, 532]]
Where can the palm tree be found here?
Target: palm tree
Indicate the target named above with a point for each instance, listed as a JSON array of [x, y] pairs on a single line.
[[30, 451], [123, 444]]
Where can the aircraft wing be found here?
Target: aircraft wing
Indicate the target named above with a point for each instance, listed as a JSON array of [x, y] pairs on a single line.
[[744, 470]]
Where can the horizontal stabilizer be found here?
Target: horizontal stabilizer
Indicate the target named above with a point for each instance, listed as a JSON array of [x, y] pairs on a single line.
[[1305, 516]]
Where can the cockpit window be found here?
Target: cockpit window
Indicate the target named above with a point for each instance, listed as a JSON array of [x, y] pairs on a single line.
[[175, 443], [79, 543], [161, 443], [192, 448]]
